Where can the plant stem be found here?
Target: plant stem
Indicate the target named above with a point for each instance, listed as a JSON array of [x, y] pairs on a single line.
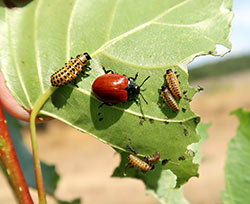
[[10, 164], [38, 172]]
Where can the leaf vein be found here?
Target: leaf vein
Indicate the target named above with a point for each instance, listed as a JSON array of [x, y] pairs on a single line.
[[113, 12], [133, 112], [70, 22], [37, 52], [136, 29]]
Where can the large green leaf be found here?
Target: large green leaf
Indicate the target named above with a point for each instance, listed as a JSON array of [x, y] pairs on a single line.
[[237, 164], [145, 36], [161, 183]]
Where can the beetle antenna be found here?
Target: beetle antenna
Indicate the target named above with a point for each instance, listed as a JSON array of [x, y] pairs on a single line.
[[143, 97], [143, 83]]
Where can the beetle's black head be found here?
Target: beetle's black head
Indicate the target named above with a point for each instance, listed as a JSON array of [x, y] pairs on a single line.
[[134, 90]]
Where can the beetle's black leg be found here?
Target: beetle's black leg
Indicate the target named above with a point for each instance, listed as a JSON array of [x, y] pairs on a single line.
[[107, 71], [74, 81], [102, 104], [134, 78]]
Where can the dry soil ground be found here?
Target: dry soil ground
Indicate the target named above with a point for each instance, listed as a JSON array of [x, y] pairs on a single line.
[[85, 164]]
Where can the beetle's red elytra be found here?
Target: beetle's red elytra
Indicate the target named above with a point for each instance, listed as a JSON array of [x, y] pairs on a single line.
[[71, 70], [115, 88]]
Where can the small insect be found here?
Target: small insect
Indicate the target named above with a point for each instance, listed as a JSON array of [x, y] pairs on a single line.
[[196, 120], [173, 83], [153, 159], [138, 163], [182, 158], [164, 161], [186, 132], [184, 109], [200, 89], [169, 99], [115, 88], [187, 99], [151, 120], [142, 121], [71, 70], [184, 92]]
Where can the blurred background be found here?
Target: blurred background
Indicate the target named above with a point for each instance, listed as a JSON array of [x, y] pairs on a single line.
[[85, 164]]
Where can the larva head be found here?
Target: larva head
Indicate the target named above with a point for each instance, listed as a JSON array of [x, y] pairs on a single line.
[[163, 88], [169, 71], [87, 56]]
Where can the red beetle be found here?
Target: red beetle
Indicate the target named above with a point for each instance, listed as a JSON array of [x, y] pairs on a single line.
[[115, 88]]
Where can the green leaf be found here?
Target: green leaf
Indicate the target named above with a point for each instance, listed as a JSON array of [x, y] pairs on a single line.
[[195, 147], [161, 183], [75, 201], [127, 36], [237, 164], [25, 158], [166, 192]]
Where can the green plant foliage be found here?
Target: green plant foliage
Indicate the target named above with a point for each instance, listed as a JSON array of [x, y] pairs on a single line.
[[161, 183], [75, 201], [25, 158], [129, 36], [237, 164], [166, 192], [195, 147], [228, 66]]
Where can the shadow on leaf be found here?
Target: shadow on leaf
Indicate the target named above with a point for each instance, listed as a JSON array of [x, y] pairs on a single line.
[[61, 95], [14, 3]]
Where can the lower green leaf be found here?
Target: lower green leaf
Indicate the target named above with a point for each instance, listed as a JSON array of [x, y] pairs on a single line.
[[237, 165], [161, 183]]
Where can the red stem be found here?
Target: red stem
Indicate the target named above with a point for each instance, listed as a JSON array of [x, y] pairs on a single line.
[[9, 162]]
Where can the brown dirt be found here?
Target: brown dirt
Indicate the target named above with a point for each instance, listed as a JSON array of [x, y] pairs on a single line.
[[85, 164]]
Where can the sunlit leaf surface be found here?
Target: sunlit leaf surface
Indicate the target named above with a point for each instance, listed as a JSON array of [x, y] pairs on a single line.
[[144, 36]]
